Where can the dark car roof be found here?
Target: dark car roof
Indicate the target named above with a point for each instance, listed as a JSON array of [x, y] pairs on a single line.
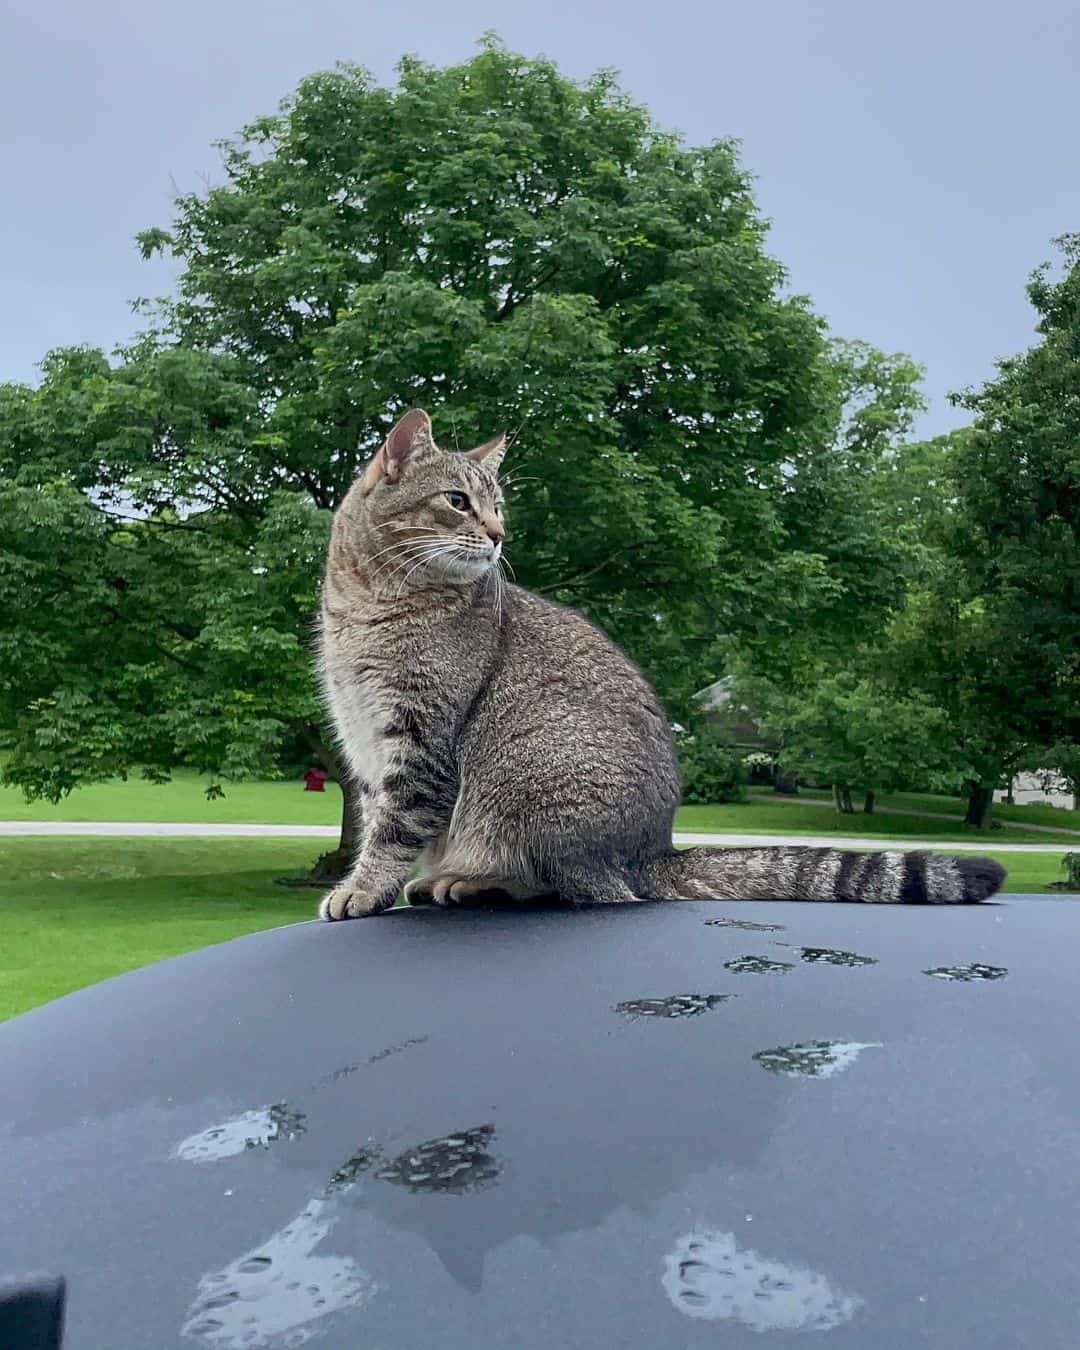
[[661, 1126]]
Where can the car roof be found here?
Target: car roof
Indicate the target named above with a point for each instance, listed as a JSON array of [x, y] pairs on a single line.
[[655, 1126]]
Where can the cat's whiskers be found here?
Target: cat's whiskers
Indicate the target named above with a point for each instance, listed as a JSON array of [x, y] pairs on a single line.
[[412, 550], [493, 575], [500, 587], [424, 548], [447, 550], [404, 555], [404, 543], [517, 432], [399, 551]]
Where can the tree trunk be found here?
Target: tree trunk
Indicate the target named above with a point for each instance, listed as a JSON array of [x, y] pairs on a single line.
[[980, 806], [842, 800], [787, 784], [329, 868], [1010, 800], [868, 804]]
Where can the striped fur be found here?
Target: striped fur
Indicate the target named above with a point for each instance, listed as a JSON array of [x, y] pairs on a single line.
[[823, 874], [504, 742]]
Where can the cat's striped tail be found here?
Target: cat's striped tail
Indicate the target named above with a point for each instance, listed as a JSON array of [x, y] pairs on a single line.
[[823, 874]]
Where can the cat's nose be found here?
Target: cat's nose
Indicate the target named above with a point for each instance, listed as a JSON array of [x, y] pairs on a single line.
[[493, 528]]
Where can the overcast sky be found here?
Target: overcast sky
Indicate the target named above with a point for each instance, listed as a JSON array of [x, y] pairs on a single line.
[[916, 160]]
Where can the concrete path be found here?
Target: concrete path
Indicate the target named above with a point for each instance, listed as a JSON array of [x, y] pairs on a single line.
[[171, 830]]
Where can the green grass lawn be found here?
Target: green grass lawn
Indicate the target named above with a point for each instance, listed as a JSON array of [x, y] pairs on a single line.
[[184, 801], [74, 911], [286, 803], [765, 814], [1056, 817]]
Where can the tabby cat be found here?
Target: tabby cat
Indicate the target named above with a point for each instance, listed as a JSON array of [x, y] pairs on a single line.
[[504, 742]]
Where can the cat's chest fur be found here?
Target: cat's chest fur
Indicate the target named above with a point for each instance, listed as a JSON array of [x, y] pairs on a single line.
[[359, 679], [363, 708], [394, 684]]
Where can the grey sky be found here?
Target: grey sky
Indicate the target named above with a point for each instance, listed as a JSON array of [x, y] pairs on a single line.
[[915, 159]]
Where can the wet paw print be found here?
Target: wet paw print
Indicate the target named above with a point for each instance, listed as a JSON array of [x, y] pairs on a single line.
[[261, 1128], [973, 971], [813, 1059], [709, 1277], [676, 1005], [747, 925], [453, 1165], [757, 965], [829, 956]]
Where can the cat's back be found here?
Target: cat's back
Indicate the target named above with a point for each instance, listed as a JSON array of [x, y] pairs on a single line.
[[569, 728], [553, 650]]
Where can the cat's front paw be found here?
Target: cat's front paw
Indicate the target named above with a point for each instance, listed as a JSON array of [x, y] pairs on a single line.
[[346, 902], [419, 892], [445, 890]]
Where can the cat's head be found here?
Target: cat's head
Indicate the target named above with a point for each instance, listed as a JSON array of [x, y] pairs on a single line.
[[420, 513]]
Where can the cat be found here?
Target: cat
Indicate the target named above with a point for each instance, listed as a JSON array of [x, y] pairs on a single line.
[[504, 741]]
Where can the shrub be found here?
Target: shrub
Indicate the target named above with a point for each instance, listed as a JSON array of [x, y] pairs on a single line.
[[711, 771], [1070, 865]]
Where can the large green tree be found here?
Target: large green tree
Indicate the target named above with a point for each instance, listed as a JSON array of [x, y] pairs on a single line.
[[887, 704], [857, 734], [994, 637], [855, 514], [507, 247]]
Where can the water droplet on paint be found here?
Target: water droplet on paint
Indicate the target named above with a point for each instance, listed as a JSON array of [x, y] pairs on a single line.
[[254, 1264]]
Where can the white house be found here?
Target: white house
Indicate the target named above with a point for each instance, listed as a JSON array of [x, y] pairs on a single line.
[[1042, 786]]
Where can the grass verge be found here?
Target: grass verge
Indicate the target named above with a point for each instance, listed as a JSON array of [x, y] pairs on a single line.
[[1053, 817], [75, 911], [183, 801], [762, 815]]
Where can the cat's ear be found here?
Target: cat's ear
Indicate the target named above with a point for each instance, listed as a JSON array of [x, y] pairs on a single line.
[[410, 436], [490, 454]]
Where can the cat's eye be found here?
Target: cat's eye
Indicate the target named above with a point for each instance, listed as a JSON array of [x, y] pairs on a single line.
[[458, 501]]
